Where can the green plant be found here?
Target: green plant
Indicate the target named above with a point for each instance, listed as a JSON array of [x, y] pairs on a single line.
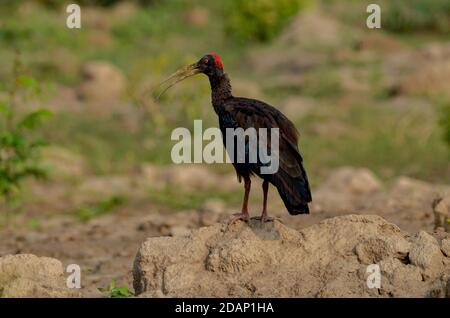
[[88, 211], [444, 120], [116, 292], [418, 15], [259, 20], [19, 148]]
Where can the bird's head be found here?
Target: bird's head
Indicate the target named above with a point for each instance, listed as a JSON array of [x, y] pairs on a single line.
[[211, 65]]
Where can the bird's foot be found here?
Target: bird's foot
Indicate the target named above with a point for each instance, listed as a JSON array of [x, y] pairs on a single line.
[[240, 216], [264, 218]]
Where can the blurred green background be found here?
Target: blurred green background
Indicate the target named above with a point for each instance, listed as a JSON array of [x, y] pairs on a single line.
[[367, 98]]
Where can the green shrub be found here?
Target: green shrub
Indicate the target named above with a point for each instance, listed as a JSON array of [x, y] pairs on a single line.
[[116, 292], [19, 148], [259, 20], [417, 15]]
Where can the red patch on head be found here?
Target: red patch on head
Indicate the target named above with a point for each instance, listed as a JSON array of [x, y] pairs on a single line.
[[217, 60]]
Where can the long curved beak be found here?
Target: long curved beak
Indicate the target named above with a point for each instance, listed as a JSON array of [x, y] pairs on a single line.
[[177, 77]]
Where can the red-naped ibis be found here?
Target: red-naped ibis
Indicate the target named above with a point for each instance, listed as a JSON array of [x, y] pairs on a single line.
[[290, 179]]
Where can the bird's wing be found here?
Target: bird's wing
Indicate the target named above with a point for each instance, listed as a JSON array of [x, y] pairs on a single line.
[[251, 113]]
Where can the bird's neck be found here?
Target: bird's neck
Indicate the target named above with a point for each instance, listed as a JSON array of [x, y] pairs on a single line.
[[220, 89]]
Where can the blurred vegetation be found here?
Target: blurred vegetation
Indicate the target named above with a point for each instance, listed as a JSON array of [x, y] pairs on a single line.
[[390, 141], [150, 39], [259, 20], [59, 3], [190, 200], [19, 147], [88, 211], [417, 15], [444, 120]]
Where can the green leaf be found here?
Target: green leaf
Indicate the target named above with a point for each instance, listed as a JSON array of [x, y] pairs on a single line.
[[116, 292], [120, 292], [34, 119]]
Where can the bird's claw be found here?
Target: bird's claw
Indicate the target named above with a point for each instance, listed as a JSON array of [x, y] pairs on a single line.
[[264, 218], [240, 216]]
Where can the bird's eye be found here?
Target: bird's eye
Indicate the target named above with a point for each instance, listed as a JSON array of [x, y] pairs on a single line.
[[205, 61]]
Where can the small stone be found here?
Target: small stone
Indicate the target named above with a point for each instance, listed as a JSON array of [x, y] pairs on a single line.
[[27, 275], [425, 251], [441, 211]]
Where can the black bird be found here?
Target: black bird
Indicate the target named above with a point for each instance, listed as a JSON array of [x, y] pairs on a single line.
[[290, 180]]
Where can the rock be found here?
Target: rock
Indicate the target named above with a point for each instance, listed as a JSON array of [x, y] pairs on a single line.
[[169, 224], [295, 107], [195, 176], [328, 259], [432, 78], [198, 17], [124, 10], [410, 200], [379, 42], [412, 189], [102, 83], [314, 29], [425, 252], [187, 177], [445, 247], [26, 275], [108, 186], [179, 231], [441, 210], [353, 180], [96, 18], [429, 74]]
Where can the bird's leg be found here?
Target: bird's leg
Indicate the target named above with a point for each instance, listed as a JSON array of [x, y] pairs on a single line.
[[244, 214], [264, 217]]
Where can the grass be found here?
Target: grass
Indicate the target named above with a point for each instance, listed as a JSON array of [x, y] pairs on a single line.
[[88, 211], [388, 141], [116, 292], [187, 200]]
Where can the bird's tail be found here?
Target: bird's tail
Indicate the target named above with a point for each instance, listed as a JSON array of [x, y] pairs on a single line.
[[294, 191]]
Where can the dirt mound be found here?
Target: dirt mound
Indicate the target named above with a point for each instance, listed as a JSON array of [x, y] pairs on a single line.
[[103, 83], [429, 74], [329, 259], [26, 275], [431, 78], [353, 180], [291, 55], [312, 29], [441, 210]]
